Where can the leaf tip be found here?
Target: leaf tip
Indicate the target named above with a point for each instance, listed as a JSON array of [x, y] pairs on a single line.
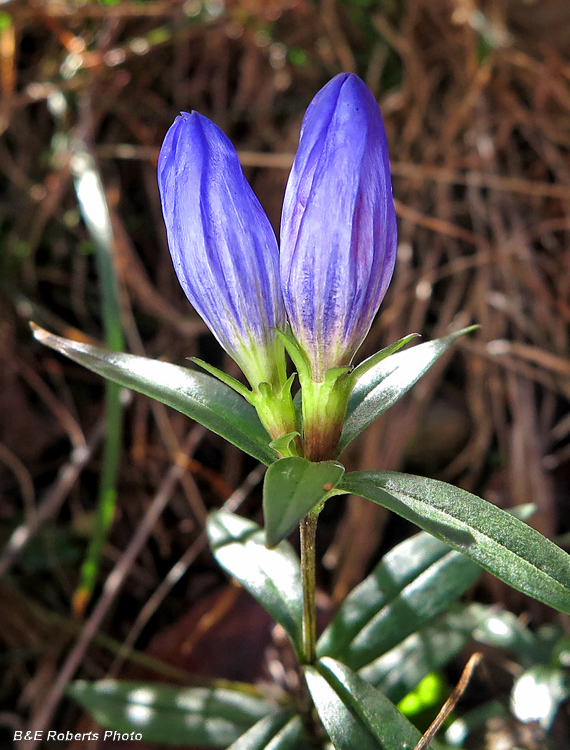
[[37, 332]]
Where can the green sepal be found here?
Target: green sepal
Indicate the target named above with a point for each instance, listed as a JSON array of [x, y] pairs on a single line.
[[295, 352], [224, 377], [287, 385], [324, 407], [292, 488], [274, 406], [283, 444], [333, 377]]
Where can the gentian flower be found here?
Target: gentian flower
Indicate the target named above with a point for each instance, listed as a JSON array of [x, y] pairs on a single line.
[[222, 244], [338, 229], [338, 250], [226, 258]]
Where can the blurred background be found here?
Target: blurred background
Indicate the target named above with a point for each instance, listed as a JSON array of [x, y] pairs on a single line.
[[476, 101]]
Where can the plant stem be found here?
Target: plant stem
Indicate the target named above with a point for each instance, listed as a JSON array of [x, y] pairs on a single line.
[[308, 529]]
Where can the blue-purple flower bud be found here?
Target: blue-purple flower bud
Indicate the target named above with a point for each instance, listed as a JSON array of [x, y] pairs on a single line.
[[222, 245], [338, 229]]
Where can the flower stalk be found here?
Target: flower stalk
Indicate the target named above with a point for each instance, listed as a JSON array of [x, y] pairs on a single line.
[[308, 532]]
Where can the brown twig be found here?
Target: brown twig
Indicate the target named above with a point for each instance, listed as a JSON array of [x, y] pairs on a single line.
[[451, 702]]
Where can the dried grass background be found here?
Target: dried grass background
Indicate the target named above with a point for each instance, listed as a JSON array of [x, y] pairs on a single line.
[[476, 100]]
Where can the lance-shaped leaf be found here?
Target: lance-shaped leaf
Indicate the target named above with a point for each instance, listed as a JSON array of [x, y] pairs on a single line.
[[382, 385], [208, 717], [195, 394], [273, 576], [500, 543], [280, 731], [356, 715], [400, 670], [415, 581], [293, 487]]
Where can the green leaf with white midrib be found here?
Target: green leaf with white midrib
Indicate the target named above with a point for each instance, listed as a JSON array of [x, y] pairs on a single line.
[[209, 717], [386, 382], [199, 396], [355, 715], [273, 576], [494, 539], [415, 581]]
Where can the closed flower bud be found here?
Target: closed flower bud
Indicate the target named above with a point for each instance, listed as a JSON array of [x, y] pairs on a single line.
[[222, 245], [338, 230]]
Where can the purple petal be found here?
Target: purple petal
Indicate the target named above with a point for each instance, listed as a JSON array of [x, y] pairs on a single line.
[[222, 245], [338, 229]]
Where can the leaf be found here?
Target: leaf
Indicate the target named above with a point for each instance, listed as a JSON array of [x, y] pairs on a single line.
[[500, 543], [415, 581], [382, 385], [458, 731], [273, 577], [399, 670], [209, 717], [502, 629], [354, 714], [375, 359], [538, 693], [278, 731], [428, 694], [199, 396], [293, 487]]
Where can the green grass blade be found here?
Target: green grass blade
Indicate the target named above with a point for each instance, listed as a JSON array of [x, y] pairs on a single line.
[[94, 209]]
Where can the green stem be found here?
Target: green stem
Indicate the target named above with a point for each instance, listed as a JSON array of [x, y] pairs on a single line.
[[308, 529]]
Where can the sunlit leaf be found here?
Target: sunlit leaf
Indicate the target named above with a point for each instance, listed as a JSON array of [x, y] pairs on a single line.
[[272, 576], [199, 396], [500, 543], [400, 670], [280, 731], [355, 715], [427, 694], [208, 717], [538, 693], [293, 487], [382, 385], [415, 581]]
